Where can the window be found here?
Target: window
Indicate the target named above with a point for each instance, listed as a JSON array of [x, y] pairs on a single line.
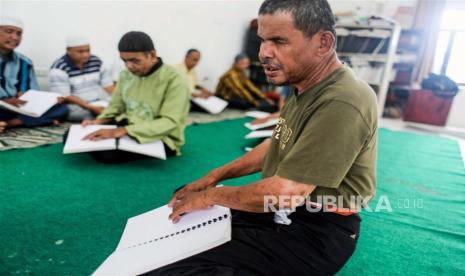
[[450, 55]]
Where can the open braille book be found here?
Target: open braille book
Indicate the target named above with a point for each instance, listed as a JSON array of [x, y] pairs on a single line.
[[75, 144], [37, 103], [212, 104], [151, 240]]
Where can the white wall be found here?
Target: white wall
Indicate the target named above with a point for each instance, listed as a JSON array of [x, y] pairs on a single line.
[[216, 28]]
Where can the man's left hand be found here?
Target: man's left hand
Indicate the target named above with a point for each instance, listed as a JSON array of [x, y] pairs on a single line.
[[191, 202], [106, 134]]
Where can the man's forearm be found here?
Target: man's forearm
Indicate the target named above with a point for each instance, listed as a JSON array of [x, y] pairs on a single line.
[[96, 110], [254, 197], [247, 164], [85, 104]]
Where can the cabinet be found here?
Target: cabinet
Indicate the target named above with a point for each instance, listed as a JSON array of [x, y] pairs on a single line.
[[370, 49], [405, 72]]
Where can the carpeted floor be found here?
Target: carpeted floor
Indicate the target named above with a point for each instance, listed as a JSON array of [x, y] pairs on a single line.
[[18, 138], [64, 214], [424, 178]]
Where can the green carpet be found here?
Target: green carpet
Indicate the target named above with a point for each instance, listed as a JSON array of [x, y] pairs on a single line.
[[64, 214], [424, 180], [23, 137]]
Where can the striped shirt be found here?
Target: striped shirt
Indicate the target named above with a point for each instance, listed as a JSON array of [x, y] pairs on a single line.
[[236, 84], [86, 83], [16, 75]]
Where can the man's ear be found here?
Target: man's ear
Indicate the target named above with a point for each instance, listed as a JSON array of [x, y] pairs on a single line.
[[327, 40], [153, 55]]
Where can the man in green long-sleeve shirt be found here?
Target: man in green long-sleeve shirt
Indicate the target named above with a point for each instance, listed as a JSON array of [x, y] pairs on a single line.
[[151, 101]]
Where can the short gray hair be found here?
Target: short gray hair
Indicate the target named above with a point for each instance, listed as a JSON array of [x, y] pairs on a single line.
[[310, 16], [240, 57]]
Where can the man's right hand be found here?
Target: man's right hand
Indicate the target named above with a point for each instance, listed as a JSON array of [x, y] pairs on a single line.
[[201, 184], [205, 93], [15, 101], [95, 122], [202, 93]]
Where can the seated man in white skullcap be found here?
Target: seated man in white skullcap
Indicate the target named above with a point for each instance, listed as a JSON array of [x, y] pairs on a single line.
[[81, 78], [17, 76]]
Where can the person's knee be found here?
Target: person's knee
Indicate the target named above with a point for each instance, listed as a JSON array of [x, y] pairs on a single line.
[[59, 111]]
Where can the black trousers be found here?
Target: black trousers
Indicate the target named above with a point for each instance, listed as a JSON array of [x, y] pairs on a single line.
[[196, 108], [119, 156], [313, 244]]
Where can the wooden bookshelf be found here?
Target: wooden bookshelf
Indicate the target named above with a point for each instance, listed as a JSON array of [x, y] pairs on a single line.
[[375, 45]]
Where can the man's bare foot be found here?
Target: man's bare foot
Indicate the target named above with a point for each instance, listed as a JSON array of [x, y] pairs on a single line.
[[56, 122], [2, 126], [14, 123]]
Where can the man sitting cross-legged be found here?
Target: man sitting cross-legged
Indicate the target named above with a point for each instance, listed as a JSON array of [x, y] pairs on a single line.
[[81, 78], [151, 101], [17, 76]]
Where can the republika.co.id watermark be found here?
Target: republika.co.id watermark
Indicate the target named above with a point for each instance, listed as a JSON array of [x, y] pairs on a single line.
[[329, 203]]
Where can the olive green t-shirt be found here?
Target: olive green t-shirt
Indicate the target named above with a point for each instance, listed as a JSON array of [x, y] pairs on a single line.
[[327, 136]]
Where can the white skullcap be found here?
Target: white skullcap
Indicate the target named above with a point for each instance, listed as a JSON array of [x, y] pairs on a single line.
[[74, 41], [11, 21]]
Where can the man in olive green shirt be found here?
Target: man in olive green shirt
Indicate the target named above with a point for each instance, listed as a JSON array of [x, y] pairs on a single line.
[[151, 101], [326, 136], [324, 146]]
